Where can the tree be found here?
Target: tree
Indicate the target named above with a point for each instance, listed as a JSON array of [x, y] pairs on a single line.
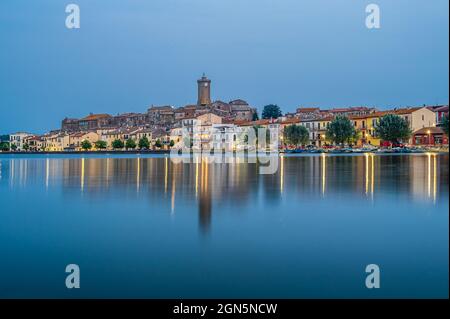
[[296, 135], [355, 137], [86, 145], [340, 130], [445, 124], [255, 130], [271, 111], [13, 147], [144, 143], [4, 146], [130, 143], [255, 116], [26, 147], [101, 145], [172, 143], [158, 143], [117, 144], [392, 128]]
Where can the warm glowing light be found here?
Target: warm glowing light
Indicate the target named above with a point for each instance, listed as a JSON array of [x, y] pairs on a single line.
[[166, 173], [281, 173], [138, 173], [429, 174], [82, 174], [367, 173], [324, 173], [434, 178]]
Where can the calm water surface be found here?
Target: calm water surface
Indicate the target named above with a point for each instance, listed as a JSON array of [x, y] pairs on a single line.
[[142, 226]]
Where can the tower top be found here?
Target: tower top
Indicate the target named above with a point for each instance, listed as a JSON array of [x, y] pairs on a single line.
[[204, 91], [204, 77]]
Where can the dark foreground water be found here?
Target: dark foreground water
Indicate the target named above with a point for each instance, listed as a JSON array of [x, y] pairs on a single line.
[[146, 227]]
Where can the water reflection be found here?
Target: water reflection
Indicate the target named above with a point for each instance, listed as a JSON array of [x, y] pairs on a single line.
[[421, 177]]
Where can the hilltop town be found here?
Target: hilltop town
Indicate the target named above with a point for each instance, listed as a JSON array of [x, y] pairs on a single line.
[[161, 127]]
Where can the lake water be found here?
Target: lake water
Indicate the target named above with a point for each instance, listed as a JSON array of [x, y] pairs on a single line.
[[142, 226]]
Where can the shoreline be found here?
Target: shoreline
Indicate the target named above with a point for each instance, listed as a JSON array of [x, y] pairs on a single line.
[[163, 152]]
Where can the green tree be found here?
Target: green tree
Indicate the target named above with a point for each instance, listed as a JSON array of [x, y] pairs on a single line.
[[86, 145], [117, 144], [355, 137], [271, 111], [158, 143], [144, 143], [130, 143], [4, 146], [255, 116], [13, 147], [445, 124], [172, 143], [255, 130], [340, 130], [296, 135], [393, 128], [101, 145], [26, 147]]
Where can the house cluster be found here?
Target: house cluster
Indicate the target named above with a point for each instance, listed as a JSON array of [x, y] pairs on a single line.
[[220, 125]]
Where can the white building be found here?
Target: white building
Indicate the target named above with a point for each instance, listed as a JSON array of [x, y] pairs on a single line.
[[17, 139], [225, 137]]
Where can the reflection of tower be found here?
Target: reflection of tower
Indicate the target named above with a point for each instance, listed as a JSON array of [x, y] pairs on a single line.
[[205, 202], [204, 91]]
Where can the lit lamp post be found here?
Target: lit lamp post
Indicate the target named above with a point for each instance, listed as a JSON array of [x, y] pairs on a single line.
[[429, 137]]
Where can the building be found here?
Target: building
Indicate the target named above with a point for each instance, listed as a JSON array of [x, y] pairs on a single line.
[[94, 121], [161, 115], [76, 139], [307, 113], [440, 111], [204, 91], [35, 143], [225, 137], [202, 130], [351, 111], [430, 136], [18, 139], [56, 142]]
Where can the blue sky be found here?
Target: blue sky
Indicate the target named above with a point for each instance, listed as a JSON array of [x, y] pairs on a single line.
[[128, 55]]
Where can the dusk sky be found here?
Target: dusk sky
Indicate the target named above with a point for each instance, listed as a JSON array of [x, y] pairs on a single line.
[[128, 55]]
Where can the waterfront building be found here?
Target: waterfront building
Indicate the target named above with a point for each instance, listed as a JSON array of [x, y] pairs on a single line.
[[224, 137], [430, 136], [317, 130], [18, 139], [35, 143], [56, 142], [202, 130], [76, 139], [440, 111]]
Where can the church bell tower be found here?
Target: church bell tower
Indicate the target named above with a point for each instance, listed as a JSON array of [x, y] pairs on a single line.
[[204, 91]]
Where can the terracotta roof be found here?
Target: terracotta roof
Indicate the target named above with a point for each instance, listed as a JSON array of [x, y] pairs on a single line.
[[92, 117], [429, 130], [290, 121], [307, 109]]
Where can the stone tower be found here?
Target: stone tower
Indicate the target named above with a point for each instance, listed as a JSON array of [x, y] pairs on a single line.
[[204, 91]]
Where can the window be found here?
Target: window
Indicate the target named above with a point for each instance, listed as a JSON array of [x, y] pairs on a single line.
[[423, 117]]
